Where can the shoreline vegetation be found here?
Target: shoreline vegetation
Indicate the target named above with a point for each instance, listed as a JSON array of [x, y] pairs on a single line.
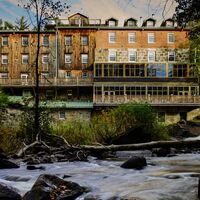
[[137, 121]]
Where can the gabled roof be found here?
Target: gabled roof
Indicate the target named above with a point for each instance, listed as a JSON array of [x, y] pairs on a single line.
[[169, 19], [129, 19], [77, 14], [149, 19], [112, 19]]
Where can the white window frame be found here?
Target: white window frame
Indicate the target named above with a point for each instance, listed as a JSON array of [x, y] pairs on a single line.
[[25, 57], [112, 37], [84, 58], [84, 40], [132, 53], [112, 53], [45, 42], [131, 23], [151, 53], [62, 115], [68, 40], [68, 74], [4, 59], [45, 59], [172, 54], [151, 38], [150, 23], [4, 42], [169, 23], [169, 36], [25, 41], [132, 37], [3, 75], [68, 58], [111, 23]]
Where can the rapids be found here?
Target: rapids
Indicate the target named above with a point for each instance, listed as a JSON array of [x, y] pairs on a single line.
[[166, 178]]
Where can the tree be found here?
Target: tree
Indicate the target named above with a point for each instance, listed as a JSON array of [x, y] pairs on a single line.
[[8, 25], [42, 11], [21, 23]]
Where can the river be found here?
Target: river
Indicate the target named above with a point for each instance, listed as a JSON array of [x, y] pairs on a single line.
[[166, 178]]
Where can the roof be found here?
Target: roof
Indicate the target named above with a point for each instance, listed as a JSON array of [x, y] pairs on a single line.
[[77, 14]]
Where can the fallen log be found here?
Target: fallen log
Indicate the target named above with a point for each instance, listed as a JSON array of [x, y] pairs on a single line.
[[142, 146]]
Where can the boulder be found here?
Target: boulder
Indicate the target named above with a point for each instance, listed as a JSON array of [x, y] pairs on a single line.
[[6, 164], [52, 187], [162, 152], [135, 162], [8, 193]]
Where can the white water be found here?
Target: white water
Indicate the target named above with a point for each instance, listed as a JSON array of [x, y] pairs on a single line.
[[106, 179]]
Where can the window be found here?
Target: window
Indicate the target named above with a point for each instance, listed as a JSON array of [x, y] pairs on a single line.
[[131, 55], [62, 115], [4, 59], [131, 23], [4, 75], [68, 40], [84, 74], [111, 23], [151, 37], [169, 23], [45, 40], [112, 56], [25, 59], [26, 93], [84, 58], [112, 37], [44, 75], [156, 70], [171, 38], [25, 41], [68, 74], [24, 78], [131, 37], [5, 41], [84, 40], [150, 23], [171, 56], [151, 55], [68, 58], [45, 59]]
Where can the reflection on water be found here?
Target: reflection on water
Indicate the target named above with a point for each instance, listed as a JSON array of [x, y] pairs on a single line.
[[163, 179]]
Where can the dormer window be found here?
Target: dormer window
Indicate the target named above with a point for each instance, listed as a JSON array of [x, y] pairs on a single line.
[[169, 23], [112, 23], [131, 23], [150, 23]]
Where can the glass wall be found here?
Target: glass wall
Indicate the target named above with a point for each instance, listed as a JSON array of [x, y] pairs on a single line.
[[156, 70]]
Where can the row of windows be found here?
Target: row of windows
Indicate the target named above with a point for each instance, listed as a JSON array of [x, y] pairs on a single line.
[[132, 55], [45, 40], [45, 59], [141, 70], [25, 40], [24, 59], [112, 37], [146, 90]]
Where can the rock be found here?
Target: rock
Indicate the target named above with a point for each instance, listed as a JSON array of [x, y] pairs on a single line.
[[17, 178], [3, 156], [135, 163], [33, 161], [8, 193], [32, 167], [6, 164], [161, 152], [49, 187]]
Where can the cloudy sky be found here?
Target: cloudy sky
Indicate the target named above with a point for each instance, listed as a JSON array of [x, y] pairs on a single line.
[[101, 9]]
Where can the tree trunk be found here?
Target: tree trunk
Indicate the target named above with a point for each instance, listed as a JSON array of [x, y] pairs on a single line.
[[143, 146]]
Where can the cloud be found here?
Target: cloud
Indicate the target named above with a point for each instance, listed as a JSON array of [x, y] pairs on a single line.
[[104, 9]]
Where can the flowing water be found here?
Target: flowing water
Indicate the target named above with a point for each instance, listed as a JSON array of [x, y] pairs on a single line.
[[164, 178]]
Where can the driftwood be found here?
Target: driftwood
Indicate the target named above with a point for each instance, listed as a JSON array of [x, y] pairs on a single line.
[[143, 146]]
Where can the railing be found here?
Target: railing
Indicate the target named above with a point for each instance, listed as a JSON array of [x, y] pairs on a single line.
[[152, 99], [74, 81]]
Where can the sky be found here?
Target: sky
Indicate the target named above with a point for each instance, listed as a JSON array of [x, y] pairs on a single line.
[[101, 9]]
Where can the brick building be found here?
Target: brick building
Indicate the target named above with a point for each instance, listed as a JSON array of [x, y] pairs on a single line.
[[86, 65]]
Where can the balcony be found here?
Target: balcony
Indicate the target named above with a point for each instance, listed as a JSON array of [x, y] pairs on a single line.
[[157, 100], [46, 82]]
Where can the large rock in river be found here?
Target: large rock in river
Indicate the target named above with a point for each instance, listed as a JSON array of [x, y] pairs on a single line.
[[49, 187], [135, 162], [6, 164], [8, 193]]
